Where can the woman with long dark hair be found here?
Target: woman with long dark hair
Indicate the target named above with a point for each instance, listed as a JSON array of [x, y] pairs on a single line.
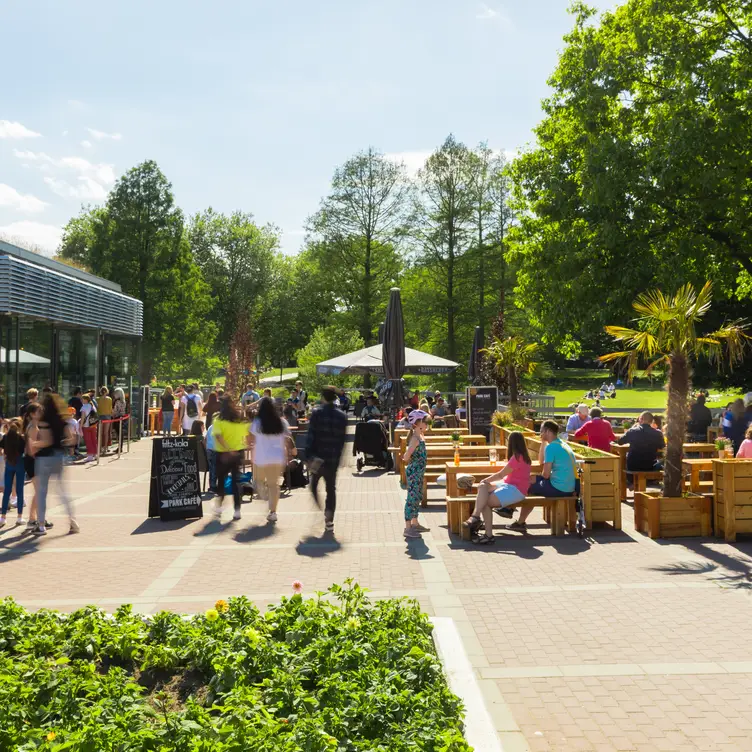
[[269, 446], [514, 485], [48, 450], [13, 445], [231, 439], [211, 408]]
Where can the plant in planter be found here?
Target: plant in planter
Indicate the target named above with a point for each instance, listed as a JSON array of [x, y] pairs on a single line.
[[626, 425], [725, 448], [666, 336], [514, 358]]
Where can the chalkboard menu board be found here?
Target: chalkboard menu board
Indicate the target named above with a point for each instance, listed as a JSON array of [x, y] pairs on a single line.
[[482, 403], [175, 493]]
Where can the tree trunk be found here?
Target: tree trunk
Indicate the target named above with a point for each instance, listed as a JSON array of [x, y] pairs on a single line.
[[676, 424], [513, 394], [481, 277], [451, 344]]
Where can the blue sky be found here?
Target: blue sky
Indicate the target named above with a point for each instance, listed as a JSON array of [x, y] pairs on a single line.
[[251, 105]]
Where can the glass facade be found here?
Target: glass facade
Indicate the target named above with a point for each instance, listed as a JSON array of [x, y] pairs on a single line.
[[37, 354]]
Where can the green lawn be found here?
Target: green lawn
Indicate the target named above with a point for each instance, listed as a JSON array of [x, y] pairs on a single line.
[[573, 384]]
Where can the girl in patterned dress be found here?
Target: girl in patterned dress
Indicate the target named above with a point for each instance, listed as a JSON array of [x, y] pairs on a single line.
[[416, 457]]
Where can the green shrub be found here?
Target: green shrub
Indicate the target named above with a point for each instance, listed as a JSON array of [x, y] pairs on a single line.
[[317, 675]]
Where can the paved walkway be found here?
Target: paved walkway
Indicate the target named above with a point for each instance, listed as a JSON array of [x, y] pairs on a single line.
[[612, 643]]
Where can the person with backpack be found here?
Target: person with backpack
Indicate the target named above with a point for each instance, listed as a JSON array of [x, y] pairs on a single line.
[[191, 406], [89, 420]]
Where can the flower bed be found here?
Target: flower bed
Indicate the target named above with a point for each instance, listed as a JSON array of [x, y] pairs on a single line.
[[307, 675]]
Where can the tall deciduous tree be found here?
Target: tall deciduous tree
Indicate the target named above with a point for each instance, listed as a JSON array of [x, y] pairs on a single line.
[[353, 235], [236, 257], [641, 172], [443, 231], [137, 239]]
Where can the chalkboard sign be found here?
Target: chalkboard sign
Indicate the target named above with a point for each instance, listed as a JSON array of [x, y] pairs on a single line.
[[175, 492], [482, 403]]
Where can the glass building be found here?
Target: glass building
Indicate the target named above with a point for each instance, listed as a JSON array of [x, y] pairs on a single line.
[[62, 327]]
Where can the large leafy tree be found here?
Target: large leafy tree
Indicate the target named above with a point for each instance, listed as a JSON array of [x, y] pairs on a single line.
[[237, 258], [327, 342], [354, 234], [666, 336], [640, 176], [137, 239], [442, 230]]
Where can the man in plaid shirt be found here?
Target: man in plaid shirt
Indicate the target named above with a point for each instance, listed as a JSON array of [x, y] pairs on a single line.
[[326, 440]]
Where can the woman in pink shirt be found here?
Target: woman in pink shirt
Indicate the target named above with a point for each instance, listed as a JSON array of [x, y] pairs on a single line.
[[515, 477], [745, 449]]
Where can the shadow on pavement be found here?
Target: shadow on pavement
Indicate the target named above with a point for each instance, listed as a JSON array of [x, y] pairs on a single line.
[[155, 525], [418, 550], [738, 570], [256, 533], [317, 547]]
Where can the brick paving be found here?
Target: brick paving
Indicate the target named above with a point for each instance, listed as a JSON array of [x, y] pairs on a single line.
[[611, 643]]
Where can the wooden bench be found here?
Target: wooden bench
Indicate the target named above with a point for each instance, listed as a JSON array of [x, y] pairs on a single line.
[[561, 512], [641, 477]]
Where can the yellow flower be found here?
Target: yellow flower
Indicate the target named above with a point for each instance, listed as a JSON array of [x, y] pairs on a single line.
[[212, 614], [353, 623], [221, 606], [253, 636], [51, 736]]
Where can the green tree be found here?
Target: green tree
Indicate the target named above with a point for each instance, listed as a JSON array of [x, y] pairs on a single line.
[[236, 257], [666, 336], [443, 233], [512, 359], [640, 176], [354, 234], [327, 342], [137, 239]]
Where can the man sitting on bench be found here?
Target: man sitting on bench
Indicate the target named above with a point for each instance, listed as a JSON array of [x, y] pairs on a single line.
[[559, 472], [644, 444]]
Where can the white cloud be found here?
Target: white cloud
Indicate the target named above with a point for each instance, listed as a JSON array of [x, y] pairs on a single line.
[[499, 16], [86, 144], [100, 135], [24, 202], [413, 160], [44, 237], [101, 173], [10, 129], [85, 189]]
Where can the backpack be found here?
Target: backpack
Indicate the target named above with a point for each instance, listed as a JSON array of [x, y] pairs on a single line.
[[296, 474], [191, 410], [92, 418]]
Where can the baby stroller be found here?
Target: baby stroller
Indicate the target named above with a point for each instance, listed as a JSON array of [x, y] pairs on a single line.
[[372, 442]]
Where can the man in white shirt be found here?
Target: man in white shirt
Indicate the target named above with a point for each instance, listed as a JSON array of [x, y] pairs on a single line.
[[191, 406], [578, 420]]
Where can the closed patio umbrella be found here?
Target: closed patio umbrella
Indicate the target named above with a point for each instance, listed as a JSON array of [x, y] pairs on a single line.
[[393, 348], [381, 333], [473, 369]]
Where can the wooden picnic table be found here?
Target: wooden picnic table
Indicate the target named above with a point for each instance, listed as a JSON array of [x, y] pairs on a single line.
[[693, 468], [713, 433], [401, 445], [437, 454], [472, 468]]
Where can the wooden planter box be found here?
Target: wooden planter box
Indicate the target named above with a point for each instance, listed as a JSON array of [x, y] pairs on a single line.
[[660, 517], [500, 434], [732, 482], [601, 487]]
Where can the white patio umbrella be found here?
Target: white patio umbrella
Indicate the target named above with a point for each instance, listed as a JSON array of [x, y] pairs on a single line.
[[368, 360], [23, 357]]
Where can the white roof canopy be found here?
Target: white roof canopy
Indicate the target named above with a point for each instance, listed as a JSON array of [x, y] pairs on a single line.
[[368, 360]]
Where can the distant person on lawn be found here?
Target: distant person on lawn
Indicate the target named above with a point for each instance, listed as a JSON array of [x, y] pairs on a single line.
[[578, 419], [559, 472], [644, 444], [597, 431]]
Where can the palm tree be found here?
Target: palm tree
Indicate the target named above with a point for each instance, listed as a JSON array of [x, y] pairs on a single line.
[[512, 358], [666, 336]]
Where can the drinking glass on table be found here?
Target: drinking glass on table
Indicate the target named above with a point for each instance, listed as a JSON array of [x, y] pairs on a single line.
[[492, 456]]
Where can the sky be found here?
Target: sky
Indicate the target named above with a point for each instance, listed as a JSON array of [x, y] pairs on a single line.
[[251, 105]]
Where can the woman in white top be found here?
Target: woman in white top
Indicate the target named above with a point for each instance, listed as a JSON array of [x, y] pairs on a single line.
[[269, 444]]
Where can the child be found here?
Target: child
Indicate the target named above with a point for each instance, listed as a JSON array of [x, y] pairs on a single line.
[[511, 491], [416, 456], [745, 449], [13, 445], [72, 451]]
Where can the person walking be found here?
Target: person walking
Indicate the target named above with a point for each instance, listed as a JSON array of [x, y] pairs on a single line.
[[190, 408], [269, 435], [13, 444], [168, 410], [230, 430], [326, 440], [211, 457], [31, 433], [416, 457], [48, 450], [211, 408]]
